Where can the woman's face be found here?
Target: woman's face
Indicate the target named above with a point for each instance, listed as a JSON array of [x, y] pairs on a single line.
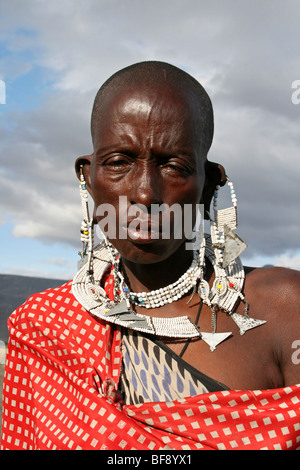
[[146, 156]]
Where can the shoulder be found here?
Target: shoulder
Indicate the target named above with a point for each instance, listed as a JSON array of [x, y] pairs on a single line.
[[45, 307], [275, 284], [49, 297], [273, 295]]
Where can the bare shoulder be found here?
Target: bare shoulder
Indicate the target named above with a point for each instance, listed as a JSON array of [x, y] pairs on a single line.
[[273, 295], [274, 291], [275, 284]]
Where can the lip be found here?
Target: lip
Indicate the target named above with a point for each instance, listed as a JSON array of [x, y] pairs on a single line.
[[144, 224], [142, 231], [143, 236]]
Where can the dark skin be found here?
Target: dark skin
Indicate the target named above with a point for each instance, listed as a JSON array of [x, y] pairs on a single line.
[[147, 148]]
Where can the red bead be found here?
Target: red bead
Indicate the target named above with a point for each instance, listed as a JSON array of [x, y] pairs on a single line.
[[231, 285]]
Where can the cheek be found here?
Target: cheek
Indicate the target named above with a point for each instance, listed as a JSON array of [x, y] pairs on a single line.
[[189, 193], [108, 203], [103, 190], [191, 202]]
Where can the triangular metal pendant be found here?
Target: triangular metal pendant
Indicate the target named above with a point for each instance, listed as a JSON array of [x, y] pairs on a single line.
[[118, 309], [213, 339], [124, 315], [246, 323], [233, 246]]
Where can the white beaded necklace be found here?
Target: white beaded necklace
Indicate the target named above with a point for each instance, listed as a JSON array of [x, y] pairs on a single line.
[[224, 294], [172, 292], [88, 291]]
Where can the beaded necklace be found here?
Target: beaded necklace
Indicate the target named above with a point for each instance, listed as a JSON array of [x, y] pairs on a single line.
[[224, 294], [172, 292]]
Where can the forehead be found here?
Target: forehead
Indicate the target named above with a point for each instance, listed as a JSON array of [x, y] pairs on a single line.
[[160, 104], [171, 95]]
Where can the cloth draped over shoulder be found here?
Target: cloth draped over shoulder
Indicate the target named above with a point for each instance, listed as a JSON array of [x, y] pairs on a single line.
[[61, 392]]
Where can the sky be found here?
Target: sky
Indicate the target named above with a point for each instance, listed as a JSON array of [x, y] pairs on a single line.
[[54, 56]]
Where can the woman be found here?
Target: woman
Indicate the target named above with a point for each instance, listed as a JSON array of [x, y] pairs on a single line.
[[149, 345]]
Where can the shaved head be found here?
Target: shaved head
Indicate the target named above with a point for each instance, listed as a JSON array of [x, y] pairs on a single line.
[[150, 75]]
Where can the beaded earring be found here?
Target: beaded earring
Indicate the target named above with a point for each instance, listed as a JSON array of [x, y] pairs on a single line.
[[87, 253], [223, 253], [224, 220], [87, 226], [221, 249], [95, 291]]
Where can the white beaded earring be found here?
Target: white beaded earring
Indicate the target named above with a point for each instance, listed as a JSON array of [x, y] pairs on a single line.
[[221, 249], [94, 290], [87, 227], [87, 253], [226, 246], [223, 220]]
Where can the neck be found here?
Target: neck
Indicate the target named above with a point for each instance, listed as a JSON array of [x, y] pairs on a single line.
[[147, 277]]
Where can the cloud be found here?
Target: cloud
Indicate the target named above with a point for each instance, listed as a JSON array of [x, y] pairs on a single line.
[[245, 53], [38, 184], [288, 260], [61, 262], [260, 154]]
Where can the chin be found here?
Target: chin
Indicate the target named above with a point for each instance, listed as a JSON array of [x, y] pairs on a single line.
[[147, 253]]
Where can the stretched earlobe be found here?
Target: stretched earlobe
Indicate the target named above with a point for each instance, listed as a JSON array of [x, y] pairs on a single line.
[[84, 162], [215, 175]]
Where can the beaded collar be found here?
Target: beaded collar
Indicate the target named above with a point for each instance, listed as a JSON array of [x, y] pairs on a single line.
[[224, 294]]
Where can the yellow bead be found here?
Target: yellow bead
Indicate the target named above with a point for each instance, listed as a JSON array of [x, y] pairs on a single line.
[[219, 286]]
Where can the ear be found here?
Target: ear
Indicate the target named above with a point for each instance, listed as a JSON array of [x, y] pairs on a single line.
[[214, 175], [84, 163]]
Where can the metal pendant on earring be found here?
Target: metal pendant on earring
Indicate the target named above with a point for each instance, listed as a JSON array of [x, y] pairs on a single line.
[[227, 244], [233, 246]]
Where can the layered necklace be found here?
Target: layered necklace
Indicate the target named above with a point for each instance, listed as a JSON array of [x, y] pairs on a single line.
[[172, 292], [222, 249], [224, 294]]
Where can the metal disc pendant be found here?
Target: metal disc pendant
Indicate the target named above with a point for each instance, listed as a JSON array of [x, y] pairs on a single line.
[[245, 323], [213, 339]]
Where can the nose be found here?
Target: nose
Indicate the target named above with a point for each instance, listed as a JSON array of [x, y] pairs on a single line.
[[146, 186]]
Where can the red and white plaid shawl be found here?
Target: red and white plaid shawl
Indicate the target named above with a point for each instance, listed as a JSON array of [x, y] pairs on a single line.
[[60, 386]]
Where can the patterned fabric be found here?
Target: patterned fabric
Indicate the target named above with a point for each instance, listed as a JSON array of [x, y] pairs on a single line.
[[152, 373], [60, 392]]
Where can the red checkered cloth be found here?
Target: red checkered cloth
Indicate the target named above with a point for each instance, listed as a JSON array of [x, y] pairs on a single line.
[[60, 392]]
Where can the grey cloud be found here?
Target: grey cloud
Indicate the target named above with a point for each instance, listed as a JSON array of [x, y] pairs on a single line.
[[245, 53], [38, 185]]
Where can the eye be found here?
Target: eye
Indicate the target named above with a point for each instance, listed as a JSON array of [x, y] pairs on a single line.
[[176, 165], [116, 161]]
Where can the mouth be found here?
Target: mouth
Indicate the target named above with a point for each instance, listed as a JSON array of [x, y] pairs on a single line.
[[143, 230]]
